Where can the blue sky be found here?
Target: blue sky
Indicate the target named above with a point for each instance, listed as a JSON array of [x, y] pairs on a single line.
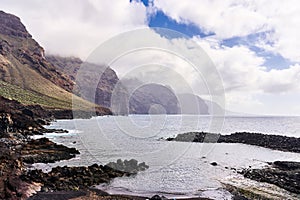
[[162, 20]]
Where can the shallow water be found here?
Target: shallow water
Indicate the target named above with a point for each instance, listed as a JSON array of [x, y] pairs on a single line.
[[176, 168]]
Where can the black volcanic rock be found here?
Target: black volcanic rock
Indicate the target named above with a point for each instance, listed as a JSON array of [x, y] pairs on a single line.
[[130, 166], [45, 151], [22, 121], [75, 178], [276, 142], [284, 174]]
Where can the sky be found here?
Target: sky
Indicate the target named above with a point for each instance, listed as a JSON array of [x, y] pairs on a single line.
[[253, 44]]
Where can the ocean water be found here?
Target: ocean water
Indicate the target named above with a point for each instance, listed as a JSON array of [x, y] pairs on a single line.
[[177, 169]]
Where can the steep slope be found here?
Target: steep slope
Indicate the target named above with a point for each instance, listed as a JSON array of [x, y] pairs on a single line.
[[28, 97], [20, 52], [26, 75], [107, 84], [192, 104]]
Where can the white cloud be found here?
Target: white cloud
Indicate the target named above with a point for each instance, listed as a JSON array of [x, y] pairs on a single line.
[[283, 19], [245, 78], [241, 71], [76, 27], [230, 18], [237, 65], [281, 81], [226, 18], [153, 58]]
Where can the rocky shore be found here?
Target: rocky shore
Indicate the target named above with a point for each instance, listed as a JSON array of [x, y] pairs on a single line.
[[17, 124], [45, 151], [18, 150], [17, 182], [284, 174], [276, 142], [79, 178]]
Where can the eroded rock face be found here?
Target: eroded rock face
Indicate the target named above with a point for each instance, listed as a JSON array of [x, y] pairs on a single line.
[[96, 83], [18, 50], [192, 104], [11, 25]]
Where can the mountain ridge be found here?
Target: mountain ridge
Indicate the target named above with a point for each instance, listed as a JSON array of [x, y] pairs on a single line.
[[26, 73]]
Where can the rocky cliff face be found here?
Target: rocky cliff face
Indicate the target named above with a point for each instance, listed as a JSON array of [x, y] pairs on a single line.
[[11, 25], [128, 98], [161, 99], [111, 93], [106, 80], [153, 99], [27, 76], [17, 47]]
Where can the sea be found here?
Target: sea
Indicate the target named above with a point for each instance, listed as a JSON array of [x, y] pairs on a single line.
[[176, 169]]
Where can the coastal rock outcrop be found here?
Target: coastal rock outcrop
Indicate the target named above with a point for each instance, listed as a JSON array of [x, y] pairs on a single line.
[[285, 174], [276, 142], [75, 178], [45, 151]]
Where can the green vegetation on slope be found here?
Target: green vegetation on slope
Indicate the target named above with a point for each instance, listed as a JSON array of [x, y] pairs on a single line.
[[28, 97], [22, 79], [27, 76]]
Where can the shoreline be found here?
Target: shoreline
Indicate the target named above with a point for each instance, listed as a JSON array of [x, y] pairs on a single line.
[[88, 192], [284, 174], [17, 182]]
